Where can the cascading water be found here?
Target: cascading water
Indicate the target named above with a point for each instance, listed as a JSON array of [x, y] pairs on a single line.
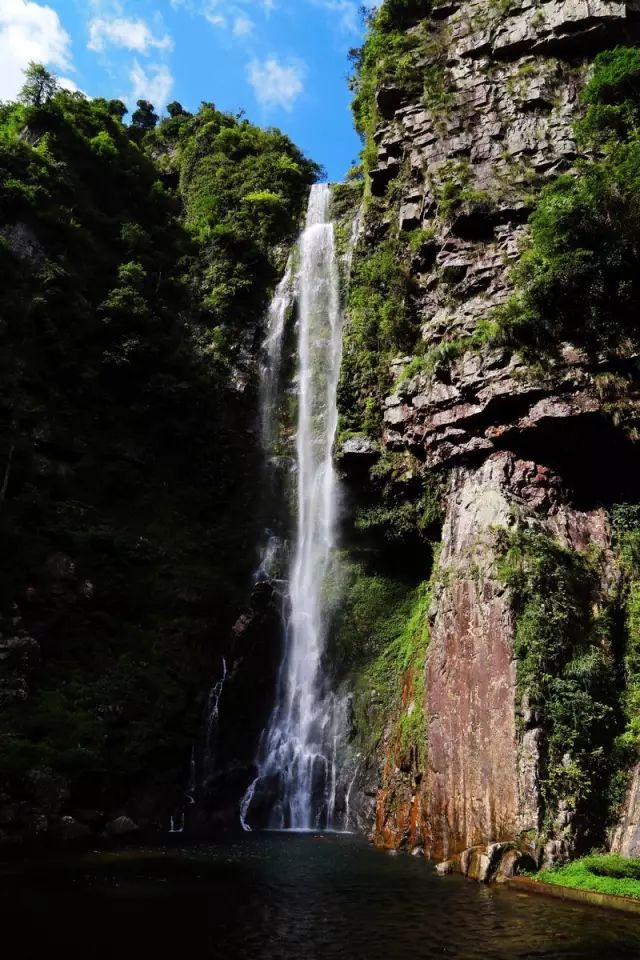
[[272, 350], [298, 750]]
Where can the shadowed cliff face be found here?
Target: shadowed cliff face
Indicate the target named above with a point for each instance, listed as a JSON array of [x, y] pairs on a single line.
[[453, 174]]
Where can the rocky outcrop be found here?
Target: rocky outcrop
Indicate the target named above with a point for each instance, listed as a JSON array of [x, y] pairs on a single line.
[[626, 836], [23, 242], [517, 447], [496, 862], [495, 403]]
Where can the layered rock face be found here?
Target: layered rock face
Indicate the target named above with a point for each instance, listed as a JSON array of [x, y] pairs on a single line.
[[514, 448]]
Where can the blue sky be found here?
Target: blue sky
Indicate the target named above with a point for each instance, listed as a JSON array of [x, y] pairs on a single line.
[[283, 61]]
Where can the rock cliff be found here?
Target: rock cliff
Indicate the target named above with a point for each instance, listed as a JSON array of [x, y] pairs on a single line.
[[458, 148]]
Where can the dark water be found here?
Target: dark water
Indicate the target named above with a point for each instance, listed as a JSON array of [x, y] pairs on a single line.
[[288, 896]]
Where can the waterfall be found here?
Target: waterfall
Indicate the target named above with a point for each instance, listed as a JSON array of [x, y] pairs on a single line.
[[272, 351], [298, 754], [212, 715]]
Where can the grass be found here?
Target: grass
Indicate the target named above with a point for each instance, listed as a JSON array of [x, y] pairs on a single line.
[[610, 874]]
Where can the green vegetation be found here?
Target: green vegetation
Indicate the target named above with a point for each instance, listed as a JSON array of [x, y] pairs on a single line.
[[566, 672], [626, 529], [382, 322], [578, 280], [346, 199], [386, 58], [136, 263], [447, 351], [380, 638], [378, 326], [609, 874], [382, 594]]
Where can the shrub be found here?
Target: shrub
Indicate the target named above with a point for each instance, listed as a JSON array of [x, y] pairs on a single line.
[[578, 280]]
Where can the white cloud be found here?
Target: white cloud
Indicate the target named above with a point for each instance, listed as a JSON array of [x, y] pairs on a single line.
[[232, 15], [154, 83], [347, 12], [29, 31], [274, 84], [125, 32], [242, 26], [216, 19], [68, 84]]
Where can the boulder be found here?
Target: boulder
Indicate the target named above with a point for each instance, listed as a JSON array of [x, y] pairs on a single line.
[[494, 863], [513, 863], [359, 448], [121, 827], [554, 854]]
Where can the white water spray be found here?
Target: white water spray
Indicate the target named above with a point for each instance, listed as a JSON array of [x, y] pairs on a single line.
[[347, 798], [298, 754], [272, 346], [212, 714]]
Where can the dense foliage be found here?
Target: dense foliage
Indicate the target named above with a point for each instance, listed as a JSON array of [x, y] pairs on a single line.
[[136, 264], [566, 675], [377, 327], [626, 528], [382, 322], [386, 57], [578, 280]]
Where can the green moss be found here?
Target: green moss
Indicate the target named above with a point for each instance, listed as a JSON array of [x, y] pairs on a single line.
[[566, 671], [385, 625], [388, 56], [609, 874], [394, 523], [421, 238], [615, 77], [456, 193]]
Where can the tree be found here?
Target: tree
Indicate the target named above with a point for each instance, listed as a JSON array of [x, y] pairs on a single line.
[[175, 109], [145, 117], [117, 108], [39, 86]]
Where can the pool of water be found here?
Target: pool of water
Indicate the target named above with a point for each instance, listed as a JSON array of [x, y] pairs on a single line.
[[277, 896]]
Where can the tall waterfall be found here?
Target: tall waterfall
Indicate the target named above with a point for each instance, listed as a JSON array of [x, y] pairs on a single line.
[[298, 750]]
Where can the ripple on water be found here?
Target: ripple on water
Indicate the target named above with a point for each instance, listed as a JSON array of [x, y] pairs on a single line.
[[271, 897]]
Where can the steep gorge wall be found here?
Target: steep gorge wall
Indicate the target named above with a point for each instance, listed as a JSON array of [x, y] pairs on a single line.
[[454, 170]]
